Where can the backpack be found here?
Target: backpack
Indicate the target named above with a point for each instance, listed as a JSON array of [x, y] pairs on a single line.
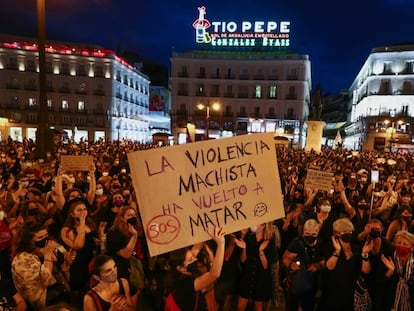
[[171, 305]]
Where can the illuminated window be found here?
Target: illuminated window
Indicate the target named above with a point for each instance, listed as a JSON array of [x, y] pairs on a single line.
[[32, 102], [273, 91], [65, 104], [256, 126], [49, 103], [258, 91], [81, 105]]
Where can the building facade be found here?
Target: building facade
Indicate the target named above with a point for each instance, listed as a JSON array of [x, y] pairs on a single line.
[[256, 91], [382, 101], [92, 93]]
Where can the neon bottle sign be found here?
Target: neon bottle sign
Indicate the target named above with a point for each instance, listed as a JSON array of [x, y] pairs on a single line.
[[245, 33]]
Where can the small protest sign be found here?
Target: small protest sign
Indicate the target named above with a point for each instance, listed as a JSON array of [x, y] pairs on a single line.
[[319, 180], [76, 162]]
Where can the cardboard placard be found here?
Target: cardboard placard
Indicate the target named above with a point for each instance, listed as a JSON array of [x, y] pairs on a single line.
[[185, 190], [319, 180], [76, 163]]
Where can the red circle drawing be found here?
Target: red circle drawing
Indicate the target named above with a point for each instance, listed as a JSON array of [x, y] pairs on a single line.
[[163, 229]]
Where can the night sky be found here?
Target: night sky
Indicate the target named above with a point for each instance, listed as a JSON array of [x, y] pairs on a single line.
[[337, 35]]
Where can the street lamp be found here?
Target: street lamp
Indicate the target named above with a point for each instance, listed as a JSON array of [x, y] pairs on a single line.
[[43, 139], [215, 106]]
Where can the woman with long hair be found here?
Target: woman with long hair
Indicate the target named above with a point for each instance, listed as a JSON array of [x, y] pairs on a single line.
[[123, 238], [189, 281], [79, 233], [34, 265], [402, 222]]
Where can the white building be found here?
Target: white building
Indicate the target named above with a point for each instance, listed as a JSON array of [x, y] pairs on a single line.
[[91, 92], [266, 91], [382, 100]]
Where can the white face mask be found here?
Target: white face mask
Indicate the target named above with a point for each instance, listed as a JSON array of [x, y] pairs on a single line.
[[325, 208], [253, 229], [104, 173], [99, 192], [2, 215]]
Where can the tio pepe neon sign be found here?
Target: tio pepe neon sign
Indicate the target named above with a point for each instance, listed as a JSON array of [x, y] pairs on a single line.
[[245, 34]]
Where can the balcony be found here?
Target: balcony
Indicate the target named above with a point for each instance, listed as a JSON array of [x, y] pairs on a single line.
[[183, 74], [99, 92], [244, 77], [182, 92], [64, 90], [98, 111], [31, 107], [30, 87], [291, 96], [259, 77], [292, 77], [243, 95], [12, 86], [81, 92], [229, 94], [201, 76], [201, 94], [273, 77], [229, 77]]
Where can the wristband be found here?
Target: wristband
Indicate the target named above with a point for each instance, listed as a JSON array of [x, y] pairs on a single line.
[[364, 257], [335, 254]]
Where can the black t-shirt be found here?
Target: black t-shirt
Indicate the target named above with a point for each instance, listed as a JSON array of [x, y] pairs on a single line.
[[186, 296], [306, 254]]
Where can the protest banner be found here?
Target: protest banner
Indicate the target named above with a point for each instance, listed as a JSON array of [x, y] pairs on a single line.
[[184, 191], [76, 162], [319, 180]]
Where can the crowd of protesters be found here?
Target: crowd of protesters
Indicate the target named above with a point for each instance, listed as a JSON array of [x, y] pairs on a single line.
[[73, 240]]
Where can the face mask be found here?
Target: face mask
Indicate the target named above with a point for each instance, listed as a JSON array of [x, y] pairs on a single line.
[[116, 186], [406, 218], [325, 208], [363, 206], [132, 221], [192, 267], [111, 278], [105, 173], [403, 251], [33, 212], [2, 215], [71, 180], [253, 229], [393, 181], [41, 243], [119, 203], [310, 239], [363, 180], [99, 192], [347, 237], [123, 171], [375, 233]]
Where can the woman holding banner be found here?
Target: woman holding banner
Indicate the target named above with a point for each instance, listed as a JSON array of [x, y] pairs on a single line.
[[189, 282]]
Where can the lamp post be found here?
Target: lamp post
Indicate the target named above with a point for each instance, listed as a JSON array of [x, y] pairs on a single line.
[[43, 135], [214, 106]]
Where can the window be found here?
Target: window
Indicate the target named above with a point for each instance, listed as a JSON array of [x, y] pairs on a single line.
[[64, 68], [273, 91], [81, 70], [99, 71], [32, 102], [49, 103], [258, 91], [202, 72], [81, 105], [31, 65], [65, 104]]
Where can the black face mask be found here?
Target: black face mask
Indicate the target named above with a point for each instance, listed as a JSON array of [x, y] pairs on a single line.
[[375, 233], [41, 243], [347, 237], [310, 239], [33, 212], [132, 221], [406, 218], [363, 206], [192, 267]]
